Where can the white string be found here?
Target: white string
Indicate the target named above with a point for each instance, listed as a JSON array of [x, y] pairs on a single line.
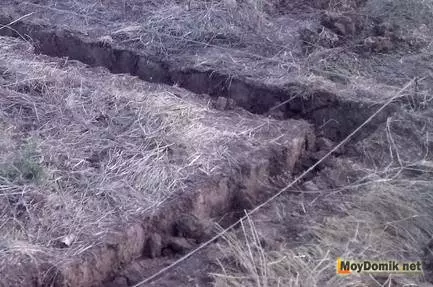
[[297, 179]]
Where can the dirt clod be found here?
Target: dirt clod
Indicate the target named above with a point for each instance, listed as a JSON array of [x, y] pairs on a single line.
[[189, 226], [338, 23], [378, 44], [180, 244]]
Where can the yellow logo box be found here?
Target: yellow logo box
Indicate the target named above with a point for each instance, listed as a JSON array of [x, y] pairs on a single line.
[[347, 267]]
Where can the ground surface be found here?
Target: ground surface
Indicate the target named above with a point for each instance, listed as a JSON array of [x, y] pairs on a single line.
[[191, 112]]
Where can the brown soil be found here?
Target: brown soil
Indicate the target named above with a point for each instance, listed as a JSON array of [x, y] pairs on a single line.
[[238, 181], [245, 108], [322, 105]]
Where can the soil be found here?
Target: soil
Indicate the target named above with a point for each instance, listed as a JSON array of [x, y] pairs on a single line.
[[258, 157], [323, 106], [293, 115]]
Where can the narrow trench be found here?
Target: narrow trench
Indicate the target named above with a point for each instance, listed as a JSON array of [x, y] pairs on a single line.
[[335, 117]]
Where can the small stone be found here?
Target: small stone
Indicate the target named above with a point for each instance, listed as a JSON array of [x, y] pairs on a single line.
[[179, 244], [340, 28], [68, 239]]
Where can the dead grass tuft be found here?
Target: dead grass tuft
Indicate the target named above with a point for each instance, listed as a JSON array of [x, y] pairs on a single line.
[[85, 151], [78, 156], [384, 214], [385, 220]]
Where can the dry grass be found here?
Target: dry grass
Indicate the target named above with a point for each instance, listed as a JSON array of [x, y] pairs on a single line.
[[388, 215], [84, 150], [87, 157], [386, 218], [102, 142], [171, 27], [254, 38], [236, 36]]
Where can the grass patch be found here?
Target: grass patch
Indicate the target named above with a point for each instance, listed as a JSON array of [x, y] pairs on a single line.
[[386, 220], [23, 167]]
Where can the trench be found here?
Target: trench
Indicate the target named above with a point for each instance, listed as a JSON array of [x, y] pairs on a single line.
[[331, 115]]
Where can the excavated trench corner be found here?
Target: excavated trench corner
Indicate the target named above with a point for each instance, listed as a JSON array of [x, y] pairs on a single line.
[[239, 157]]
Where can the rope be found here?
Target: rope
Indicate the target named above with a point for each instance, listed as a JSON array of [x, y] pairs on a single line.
[[296, 180], [270, 199]]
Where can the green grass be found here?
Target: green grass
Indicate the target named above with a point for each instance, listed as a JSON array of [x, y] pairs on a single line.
[[23, 166]]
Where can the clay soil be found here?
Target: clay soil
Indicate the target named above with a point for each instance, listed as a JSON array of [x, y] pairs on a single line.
[[131, 132]]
